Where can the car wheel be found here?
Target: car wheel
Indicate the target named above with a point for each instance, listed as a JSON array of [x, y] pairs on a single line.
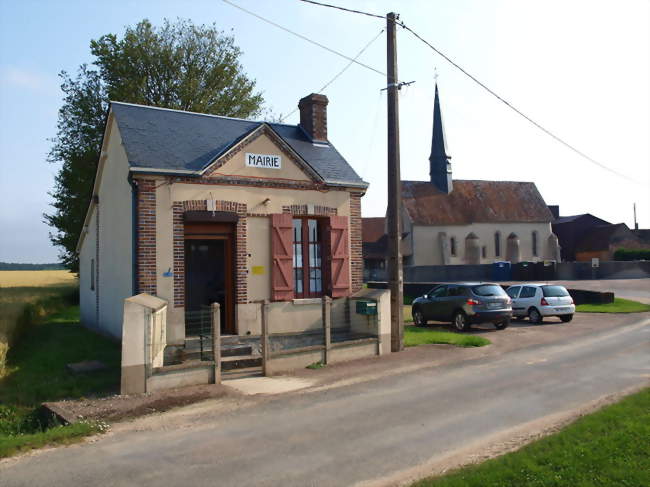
[[502, 325], [460, 321], [534, 316], [566, 318], [418, 318]]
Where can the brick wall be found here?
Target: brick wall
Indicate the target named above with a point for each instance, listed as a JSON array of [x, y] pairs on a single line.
[[146, 244], [356, 256]]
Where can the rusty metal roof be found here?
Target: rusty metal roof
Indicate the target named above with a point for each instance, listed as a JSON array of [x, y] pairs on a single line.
[[372, 229], [473, 201]]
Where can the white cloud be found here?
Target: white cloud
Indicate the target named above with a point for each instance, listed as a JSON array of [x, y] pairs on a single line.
[[30, 80]]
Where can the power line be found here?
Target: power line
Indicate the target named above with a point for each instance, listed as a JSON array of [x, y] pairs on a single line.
[[305, 38], [345, 9], [516, 110], [324, 87], [482, 85]]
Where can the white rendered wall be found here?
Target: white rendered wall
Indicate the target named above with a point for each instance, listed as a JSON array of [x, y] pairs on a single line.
[[115, 236], [87, 296], [426, 246]]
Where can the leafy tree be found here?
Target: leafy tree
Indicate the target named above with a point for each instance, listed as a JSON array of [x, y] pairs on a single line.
[[179, 65]]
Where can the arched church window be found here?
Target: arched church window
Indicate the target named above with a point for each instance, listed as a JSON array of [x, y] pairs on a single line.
[[452, 246], [497, 244], [534, 243]]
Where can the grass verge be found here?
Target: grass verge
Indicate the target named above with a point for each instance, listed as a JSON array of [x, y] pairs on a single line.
[[619, 305], [408, 317], [608, 447], [36, 372], [414, 336]]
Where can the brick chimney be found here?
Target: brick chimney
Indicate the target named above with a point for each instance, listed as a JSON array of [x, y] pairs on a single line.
[[313, 116]]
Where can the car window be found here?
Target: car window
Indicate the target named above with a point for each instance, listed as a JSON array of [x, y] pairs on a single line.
[[527, 292], [488, 290], [554, 291], [455, 291], [513, 291], [438, 292]]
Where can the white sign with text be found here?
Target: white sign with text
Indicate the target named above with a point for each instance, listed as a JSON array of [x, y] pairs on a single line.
[[263, 161]]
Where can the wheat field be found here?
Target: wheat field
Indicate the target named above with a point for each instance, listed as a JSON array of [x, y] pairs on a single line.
[[19, 289], [36, 278]]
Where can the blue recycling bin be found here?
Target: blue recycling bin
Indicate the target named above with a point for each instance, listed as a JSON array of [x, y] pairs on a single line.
[[501, 271]]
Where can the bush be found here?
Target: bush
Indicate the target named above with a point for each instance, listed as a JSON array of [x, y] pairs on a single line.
[[632, 254]]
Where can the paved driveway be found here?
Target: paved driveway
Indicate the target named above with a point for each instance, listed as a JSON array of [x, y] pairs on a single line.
[[360, 432]]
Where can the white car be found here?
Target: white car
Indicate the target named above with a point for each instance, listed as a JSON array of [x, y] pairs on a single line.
[[537, 301]]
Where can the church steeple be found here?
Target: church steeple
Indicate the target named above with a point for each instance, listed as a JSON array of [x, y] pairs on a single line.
[[440, 166]]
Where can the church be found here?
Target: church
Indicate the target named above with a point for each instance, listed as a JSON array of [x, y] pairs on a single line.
[[456, 222]]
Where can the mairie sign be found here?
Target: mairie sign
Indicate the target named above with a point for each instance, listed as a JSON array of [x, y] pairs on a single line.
[[264, 161]]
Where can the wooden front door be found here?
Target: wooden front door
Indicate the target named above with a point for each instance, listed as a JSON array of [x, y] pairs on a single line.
[[209, 272]]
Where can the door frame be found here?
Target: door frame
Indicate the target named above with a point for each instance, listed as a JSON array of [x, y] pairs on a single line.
[[217, 231]]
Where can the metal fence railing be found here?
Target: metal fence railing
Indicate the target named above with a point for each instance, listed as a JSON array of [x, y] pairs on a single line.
[[203, 335]]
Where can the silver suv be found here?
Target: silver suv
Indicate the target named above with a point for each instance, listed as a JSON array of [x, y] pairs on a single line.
[[537, 301]]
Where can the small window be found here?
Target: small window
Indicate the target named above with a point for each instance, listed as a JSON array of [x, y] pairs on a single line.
[[92, 274], [497, 244], [513, 291], [488, 290], [534, 244], [527, 292], [484, 251], [452, 246]]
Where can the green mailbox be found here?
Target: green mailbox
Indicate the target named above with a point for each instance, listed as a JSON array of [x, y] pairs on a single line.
[[366, 308]]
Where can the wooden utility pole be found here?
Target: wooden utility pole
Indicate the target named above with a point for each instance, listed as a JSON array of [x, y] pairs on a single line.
[[394, 213]]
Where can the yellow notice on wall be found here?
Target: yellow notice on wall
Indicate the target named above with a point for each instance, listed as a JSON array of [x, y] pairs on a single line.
[[258, 270]]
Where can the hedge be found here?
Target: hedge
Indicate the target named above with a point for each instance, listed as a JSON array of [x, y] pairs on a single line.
[[632, 254]]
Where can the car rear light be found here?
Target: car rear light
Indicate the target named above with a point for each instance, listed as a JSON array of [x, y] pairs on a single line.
[[543, 302], [472, 302]]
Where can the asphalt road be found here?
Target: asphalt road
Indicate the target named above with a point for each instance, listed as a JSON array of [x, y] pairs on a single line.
[[364, 431]]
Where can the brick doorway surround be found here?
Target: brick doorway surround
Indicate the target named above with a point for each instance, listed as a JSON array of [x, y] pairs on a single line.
[[179, 208]]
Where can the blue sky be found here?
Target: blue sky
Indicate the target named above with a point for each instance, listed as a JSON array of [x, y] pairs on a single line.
[[581, 68]]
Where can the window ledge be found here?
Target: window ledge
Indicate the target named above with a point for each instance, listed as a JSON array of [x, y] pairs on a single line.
[[307, 301]]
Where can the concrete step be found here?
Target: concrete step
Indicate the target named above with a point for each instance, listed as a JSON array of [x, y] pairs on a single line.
[[240, 362]]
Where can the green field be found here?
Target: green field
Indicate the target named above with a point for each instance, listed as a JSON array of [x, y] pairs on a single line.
[[606, 448], [49, 337], [619, 305], [414, 336]]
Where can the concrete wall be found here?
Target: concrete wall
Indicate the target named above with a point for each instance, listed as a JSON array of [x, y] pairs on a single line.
[[300, 360], [427, 248], [113, 265], [290, 316]]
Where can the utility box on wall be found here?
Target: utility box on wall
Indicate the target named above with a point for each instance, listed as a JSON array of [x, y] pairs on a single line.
[[366, 307]]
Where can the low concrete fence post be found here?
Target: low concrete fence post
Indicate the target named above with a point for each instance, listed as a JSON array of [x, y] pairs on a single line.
[[327, 327], [265, 336], [216, 341], [143, 341]]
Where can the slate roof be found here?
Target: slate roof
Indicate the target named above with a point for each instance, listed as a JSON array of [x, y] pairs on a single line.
[[372, 229], [474, 201], [573, 218], [172, 140]]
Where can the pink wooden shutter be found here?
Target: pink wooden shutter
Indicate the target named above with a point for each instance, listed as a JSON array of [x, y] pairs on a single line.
[[282, 255], [340, 256]]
